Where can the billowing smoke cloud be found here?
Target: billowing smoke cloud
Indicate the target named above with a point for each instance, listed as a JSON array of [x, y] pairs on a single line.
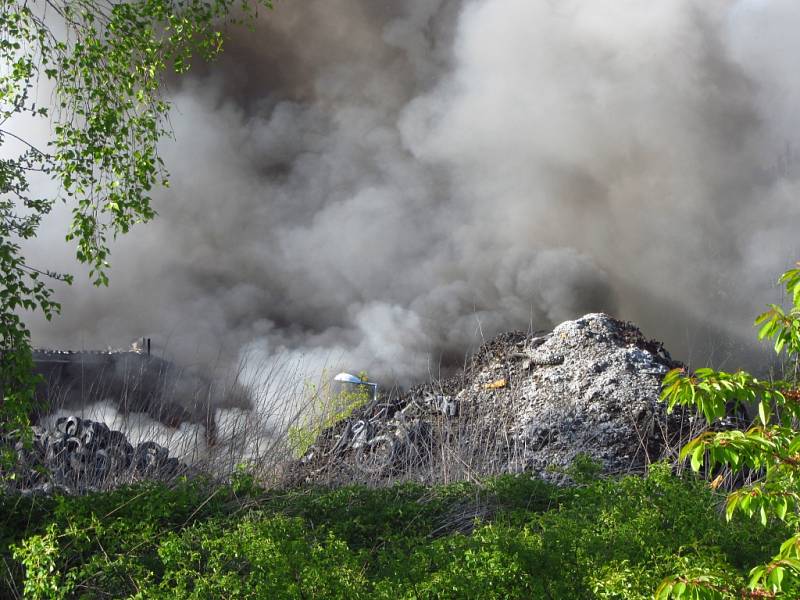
[[385, 183]]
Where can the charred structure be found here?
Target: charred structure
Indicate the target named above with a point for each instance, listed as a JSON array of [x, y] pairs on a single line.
[[134, 381]]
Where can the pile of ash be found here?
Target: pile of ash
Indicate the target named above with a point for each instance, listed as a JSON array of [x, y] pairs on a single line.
[[79, 455], [524, 402]]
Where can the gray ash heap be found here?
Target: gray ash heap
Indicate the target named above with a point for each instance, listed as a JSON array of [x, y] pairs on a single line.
[[80, 455], [523, 403]]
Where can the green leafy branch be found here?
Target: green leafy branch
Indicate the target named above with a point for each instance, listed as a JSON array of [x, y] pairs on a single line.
[[106, 63], [770, 448]]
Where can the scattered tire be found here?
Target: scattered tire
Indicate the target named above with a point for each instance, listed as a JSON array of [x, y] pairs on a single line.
[[377, 455]]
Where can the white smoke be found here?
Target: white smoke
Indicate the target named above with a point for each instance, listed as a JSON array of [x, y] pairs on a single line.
[[387, 184]]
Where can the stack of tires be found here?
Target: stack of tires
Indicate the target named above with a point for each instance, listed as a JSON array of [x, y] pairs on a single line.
[[81, 455]]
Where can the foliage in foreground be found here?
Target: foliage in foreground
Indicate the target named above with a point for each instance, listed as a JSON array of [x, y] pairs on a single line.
[[512, 537], [770, 449]]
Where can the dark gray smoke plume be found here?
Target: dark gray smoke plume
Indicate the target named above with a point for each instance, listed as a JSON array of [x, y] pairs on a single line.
[[378, 184]]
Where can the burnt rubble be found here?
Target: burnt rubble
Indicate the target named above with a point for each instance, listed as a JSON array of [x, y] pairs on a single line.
[[524, 402], [77, 456]]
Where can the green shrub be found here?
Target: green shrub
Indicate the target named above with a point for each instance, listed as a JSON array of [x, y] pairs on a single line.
[[511, 537], [274, 557]]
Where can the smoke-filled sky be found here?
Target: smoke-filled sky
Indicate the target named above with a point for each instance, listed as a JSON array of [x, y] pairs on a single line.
[[379, 184]]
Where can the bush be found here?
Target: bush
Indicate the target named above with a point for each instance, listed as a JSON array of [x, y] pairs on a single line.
[[512, 537]]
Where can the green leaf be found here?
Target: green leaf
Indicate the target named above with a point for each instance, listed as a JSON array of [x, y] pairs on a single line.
[[775, 578], [697, 458], [765, 331], [730, 506], [762, 412], [781, 507], [756, 574]]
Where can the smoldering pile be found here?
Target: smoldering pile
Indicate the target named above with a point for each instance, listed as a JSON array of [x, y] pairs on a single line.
[[77, 456], [525, 402]]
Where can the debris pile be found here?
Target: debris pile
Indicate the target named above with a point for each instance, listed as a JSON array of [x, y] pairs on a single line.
[[524, 402], [80, 455]]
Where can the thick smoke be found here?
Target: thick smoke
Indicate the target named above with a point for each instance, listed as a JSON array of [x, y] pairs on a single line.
[[376, 185]]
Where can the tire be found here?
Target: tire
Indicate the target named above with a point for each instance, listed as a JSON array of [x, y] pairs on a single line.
[[72, 426], [102, 465], [149, 456], [377, 455], [94, 434]]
